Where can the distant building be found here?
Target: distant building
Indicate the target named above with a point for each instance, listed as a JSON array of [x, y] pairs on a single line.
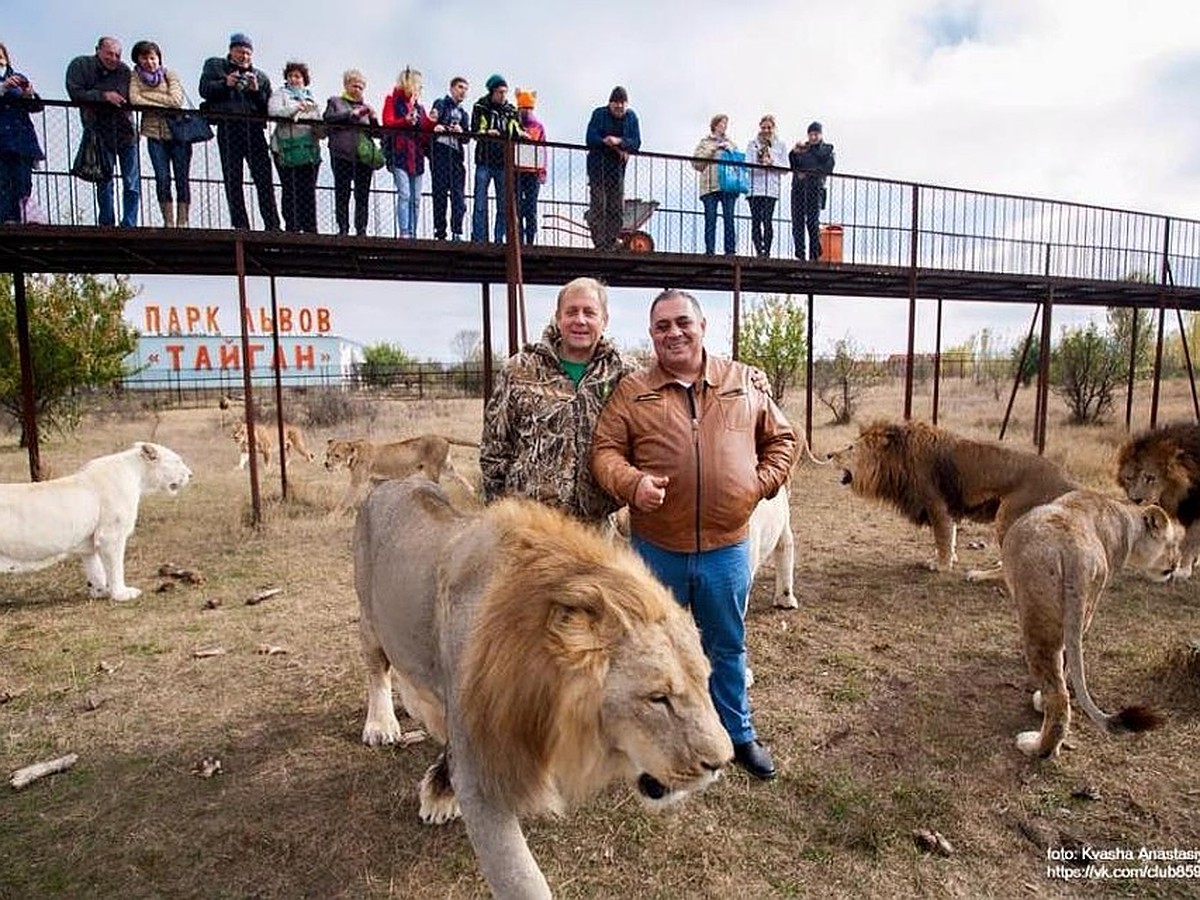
[[187, 346]]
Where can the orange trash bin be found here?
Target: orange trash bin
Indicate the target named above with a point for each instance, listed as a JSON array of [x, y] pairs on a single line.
[[831, 243]]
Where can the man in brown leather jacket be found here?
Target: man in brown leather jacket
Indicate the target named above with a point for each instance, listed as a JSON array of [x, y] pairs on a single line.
[[692, 447]]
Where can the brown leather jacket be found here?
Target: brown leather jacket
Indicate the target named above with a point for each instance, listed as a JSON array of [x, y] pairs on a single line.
[[725, 445]]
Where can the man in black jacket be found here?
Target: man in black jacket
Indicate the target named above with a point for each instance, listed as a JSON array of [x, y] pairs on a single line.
[[100, 83], [232, 85], [494, 117], [811, 161]]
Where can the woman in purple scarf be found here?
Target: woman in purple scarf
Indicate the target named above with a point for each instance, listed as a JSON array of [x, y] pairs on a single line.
[[153, 85]]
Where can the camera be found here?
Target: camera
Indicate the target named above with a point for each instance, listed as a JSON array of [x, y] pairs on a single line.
[[242, 82]]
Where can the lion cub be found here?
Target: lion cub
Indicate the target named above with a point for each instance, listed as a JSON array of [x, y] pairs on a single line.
[[1057, 560]]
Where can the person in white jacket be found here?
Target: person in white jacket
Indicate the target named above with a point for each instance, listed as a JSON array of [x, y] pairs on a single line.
[[765, 149]]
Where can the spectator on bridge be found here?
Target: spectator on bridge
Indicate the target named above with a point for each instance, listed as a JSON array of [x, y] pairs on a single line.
[[19, 148], [530, 165], [613, 133], [496, 118], [232, 85], [100, 84], [811, 161], [403, 111], [152, 84], [766, 149], [349, 115], [537, 427], [446, 159], [711, 194], [296, 146]]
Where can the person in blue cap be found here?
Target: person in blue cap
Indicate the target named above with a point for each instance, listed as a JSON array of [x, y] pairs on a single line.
[[231, 84]]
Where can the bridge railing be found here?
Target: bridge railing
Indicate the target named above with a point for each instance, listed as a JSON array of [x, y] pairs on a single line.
[[867, 221]]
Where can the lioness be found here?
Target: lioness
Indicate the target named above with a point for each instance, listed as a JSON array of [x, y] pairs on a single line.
[[1057, 560], [1163, 466], [935, 477], [546, 655], [369, 461], [90, 514], [264, 442]]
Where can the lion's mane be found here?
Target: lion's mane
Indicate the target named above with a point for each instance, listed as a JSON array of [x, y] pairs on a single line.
[[1172, 452], [534, 666]]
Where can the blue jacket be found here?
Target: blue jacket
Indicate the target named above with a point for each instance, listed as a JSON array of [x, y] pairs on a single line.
[[602, 158], [17, 134]]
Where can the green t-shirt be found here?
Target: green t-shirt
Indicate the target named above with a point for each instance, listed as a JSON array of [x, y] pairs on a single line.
[[574, 370]]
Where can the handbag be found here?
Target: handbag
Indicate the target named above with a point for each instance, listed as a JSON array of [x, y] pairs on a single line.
[[297, 150], [90, 163], [732, 178], [368, 152], [188, 126]]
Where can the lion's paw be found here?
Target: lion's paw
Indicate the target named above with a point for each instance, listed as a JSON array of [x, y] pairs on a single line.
[[1038, 703], [1030, 743], [786, 601], [439, 805], [381, 734], [126, 593]]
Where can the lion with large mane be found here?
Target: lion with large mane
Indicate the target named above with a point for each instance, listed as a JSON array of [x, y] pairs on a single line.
[[1162, 465], [547, 659], [937, 478]]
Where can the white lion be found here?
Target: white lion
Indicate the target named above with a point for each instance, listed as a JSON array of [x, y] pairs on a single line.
[[88, 514]]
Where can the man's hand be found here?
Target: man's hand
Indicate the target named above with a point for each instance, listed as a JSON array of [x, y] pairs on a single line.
[[114, 98], [651, 492], [612, 140]]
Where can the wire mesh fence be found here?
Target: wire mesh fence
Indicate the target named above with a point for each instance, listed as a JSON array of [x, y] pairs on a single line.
[[865, 222]]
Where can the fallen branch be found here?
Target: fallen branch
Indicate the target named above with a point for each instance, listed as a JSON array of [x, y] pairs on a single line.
[[265, 594], [26, 776], [207, 652]]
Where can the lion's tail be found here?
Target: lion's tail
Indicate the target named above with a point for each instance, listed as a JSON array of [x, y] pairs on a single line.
[[1129, 719]]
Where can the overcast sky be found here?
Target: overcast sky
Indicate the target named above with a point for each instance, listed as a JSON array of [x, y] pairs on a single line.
[[1093, 101]]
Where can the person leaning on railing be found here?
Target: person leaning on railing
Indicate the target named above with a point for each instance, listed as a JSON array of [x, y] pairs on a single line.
[[296, 147], [613, 133], [152, 84], [100, 85], [19, 148], [349, 172], [232, 85], [491, 115]]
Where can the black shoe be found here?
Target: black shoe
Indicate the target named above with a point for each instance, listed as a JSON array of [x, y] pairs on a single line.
[[754, 758]]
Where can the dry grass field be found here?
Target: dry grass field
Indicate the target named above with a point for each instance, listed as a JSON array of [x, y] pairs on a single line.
[[890, 700]]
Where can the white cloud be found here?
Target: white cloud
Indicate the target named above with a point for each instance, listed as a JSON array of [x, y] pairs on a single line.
[[1069, 99]]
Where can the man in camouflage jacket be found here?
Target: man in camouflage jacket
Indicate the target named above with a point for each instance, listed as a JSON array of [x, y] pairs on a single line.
[[537, 427]]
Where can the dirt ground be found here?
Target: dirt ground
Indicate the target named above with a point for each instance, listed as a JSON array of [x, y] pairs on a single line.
[[890, 700]]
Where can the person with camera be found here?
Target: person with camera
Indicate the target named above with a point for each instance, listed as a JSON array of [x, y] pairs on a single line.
[[765, 149], [296, 146], [811, 161], [19, 148], [239, 93], [100, 85], [452, 125], [350, 119]]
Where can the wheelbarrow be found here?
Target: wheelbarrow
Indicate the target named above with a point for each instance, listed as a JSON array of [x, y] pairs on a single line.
[[634, 214]]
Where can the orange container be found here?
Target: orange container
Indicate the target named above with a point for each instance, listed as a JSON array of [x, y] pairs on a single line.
[[831, 243]]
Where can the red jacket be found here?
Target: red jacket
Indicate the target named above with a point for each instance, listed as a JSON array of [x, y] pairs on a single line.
[[410, 140]]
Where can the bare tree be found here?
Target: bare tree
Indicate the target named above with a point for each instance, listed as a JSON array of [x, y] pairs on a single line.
[[840, 380], [467, 346]]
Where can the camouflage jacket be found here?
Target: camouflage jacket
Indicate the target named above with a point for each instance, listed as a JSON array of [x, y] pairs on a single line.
[[537, 428]]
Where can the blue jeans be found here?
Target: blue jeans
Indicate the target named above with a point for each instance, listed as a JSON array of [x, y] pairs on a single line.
[[529, 185], [727, 202], [408, 203], [715, 585], [131, 193], [169, 157], [479, 214]]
